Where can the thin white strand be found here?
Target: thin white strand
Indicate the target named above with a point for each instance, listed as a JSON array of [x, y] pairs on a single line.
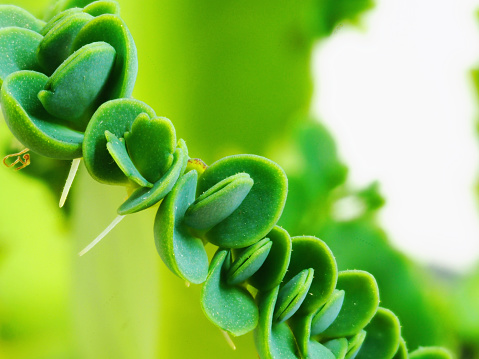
[[70, 178], [102, 234], [228, 339]]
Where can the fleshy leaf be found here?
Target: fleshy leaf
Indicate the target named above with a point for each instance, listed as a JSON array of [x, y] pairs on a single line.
[[430, 353], [311, 252], [339, 347], [117, 150], [383, 336], [274, 268], [116, 116], [57, 19], [261, 208], [143, 198], [361, 301], [402, 351], [73, 89], [15, 16], [319, 351], [17, 50], [292, 295], [57, 43], [232, 308], [272, 340], [327, 314], [184, 254], [151, 143], [98, 8], [248, 261], [219, 201], [354, 345], [31, 124], [112, 30]]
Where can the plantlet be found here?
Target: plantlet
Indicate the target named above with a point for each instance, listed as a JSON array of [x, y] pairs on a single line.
[[66, 94]]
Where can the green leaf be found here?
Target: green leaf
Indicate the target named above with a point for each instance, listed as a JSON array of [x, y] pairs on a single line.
[[339, 347], [328, 313], [248, 261], [73, 89], [11, 15], [383, 336], [98, 8], [232, 308], [31, 124], [57, 19], [219, 201], [273, 270], [117, 150], [183, 254], [292, 295], [57, 43], [261, 208], [115, 116], [272, 340], [431, 353], [17, 50], [354, 345], [112, 30], [151, 143], [143, 198], [402, 351], [319, 351], [361, 301], [311, 252]]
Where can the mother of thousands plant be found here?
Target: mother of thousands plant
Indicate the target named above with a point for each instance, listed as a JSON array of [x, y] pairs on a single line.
[[65, 94]]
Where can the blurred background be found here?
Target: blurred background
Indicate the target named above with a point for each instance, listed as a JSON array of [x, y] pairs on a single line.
[[371, 109]]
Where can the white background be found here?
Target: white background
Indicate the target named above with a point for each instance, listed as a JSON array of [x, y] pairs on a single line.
[[399, 100]]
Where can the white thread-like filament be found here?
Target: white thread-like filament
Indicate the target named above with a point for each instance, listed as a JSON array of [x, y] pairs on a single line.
[[70, 178], [228, 339], [102, 234]]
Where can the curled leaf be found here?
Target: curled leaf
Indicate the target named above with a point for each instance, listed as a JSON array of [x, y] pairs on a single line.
[[232, 308], [248, 261], [115, 116], [184, 254], [402, 351], [383, 336], [292, 295], [328, 313], [219, 201], [354, 345], [430, 353], [361, 300], [98, 8], [31, 124], [261, 208], [339, 347], [73, 89]]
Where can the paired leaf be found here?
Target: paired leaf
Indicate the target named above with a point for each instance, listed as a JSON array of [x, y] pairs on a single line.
[[112, 30], [117, 149], [73, 89], [292, 295], [31, 124], [261, 208], [273, 270], [116, 116], [311, 252], [248, 261], [272, 340], [328, 313], [143, 198], [383, 336], [232, 308], [361, 300], [151, 143], [183, 254], [18, 50], [57, 43], [219, 201]]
